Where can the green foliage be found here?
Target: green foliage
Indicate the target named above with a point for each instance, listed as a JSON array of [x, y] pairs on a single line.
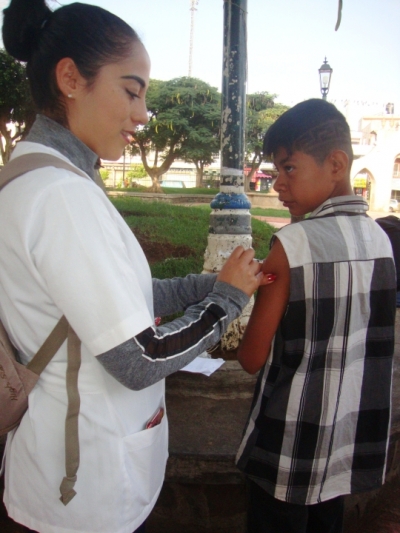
[[16, 105], [262, 111], [136, 172], [260, 101], [15, 100], [177, 226], [184, 118], [257, 104], [104, 173]]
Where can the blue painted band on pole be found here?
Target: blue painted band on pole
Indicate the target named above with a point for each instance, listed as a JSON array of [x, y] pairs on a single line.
[[230, 201]]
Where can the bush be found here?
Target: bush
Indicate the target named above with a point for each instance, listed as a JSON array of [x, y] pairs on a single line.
[[136, 172], [104, 173]]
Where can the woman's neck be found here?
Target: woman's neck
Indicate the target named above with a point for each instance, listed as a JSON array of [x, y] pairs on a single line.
[[48, 132]]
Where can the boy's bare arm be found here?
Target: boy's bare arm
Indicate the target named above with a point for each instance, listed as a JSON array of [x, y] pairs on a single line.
[[268, 310]]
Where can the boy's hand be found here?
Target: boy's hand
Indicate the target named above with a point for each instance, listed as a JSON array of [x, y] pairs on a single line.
[[243, 272]]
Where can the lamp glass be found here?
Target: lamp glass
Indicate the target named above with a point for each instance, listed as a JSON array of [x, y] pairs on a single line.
[[325, 73]]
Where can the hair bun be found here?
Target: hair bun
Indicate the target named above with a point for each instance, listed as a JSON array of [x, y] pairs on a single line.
[[22, 23]]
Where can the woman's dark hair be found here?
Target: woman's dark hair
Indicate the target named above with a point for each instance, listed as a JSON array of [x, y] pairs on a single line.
[[314, 127], [91, 36]]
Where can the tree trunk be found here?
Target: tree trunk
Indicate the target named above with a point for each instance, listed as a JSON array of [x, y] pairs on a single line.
[[255, 165], [156, 187], [6, 142], [6, 148], [155, 172], [248, 178], [199, 172]]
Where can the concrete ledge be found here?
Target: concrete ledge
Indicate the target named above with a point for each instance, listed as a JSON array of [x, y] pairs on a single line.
[[168, 198], [264, 200]]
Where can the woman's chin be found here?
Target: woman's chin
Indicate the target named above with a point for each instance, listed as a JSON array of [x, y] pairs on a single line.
[[113, 155]]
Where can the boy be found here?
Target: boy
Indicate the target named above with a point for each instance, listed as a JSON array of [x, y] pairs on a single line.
[[323, 334]]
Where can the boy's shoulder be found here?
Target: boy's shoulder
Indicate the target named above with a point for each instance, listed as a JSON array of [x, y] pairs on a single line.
[[334, 238]]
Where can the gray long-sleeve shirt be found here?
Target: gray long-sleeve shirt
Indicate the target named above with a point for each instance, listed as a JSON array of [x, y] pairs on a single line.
[[157, 352]]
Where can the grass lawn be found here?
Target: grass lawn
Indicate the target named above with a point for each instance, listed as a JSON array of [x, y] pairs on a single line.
[[174, 238], [280, 213], [260, 211]]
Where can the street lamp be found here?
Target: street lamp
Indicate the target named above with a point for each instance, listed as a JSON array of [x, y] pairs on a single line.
[[325, 74]]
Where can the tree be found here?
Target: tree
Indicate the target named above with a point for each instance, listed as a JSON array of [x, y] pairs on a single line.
[[16, 106], [184, 119], [137, 171], [262, 111]]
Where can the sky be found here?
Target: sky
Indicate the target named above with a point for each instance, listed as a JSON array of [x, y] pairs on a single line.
[[287, 43]]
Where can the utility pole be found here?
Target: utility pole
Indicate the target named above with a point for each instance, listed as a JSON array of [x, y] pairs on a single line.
[[194, 3], [230, 220]]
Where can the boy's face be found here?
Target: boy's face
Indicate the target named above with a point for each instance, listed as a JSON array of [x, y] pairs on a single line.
[[302, 183]]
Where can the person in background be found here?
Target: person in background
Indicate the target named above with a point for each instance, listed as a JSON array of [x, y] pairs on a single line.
[[322, 335], [391, 226], [65, 250]]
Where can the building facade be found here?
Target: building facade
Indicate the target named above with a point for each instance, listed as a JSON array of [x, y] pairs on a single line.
[[375, 172]]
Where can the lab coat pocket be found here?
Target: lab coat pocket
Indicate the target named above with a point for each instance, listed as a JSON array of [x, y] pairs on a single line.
[[146, 454]]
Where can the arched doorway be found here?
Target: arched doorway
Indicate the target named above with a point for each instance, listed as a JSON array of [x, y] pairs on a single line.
[[395, 194], [363, 185]]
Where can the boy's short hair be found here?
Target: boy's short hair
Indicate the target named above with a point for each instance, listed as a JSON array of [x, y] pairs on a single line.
[[314, 127]]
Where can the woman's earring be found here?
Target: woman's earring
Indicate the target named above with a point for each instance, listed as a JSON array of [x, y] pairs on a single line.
[[69, 95]]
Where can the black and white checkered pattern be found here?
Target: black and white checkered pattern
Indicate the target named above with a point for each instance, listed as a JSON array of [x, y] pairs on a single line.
[[319, 422]]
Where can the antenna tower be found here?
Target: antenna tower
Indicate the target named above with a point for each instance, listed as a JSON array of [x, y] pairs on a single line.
[[193, 3]]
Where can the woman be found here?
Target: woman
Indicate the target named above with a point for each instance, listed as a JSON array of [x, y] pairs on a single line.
[[65, 250]]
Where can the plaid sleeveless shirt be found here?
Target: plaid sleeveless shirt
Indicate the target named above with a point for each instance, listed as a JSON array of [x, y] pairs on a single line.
[[319, 423]]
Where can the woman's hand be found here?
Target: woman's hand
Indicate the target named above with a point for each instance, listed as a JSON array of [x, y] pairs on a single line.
[[244, 272]]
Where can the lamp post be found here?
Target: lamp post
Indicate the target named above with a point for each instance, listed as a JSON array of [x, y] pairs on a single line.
[[325, 74], [230, 219]]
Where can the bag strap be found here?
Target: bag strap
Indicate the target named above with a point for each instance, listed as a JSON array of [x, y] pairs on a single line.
[[71, 420], [38, 363], [62, 330], [50, 347], [25, 163]]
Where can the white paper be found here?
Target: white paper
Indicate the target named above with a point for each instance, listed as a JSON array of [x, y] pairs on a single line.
[[201, 365]]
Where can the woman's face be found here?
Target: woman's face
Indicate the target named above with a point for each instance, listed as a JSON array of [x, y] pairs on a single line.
[[105, 115]]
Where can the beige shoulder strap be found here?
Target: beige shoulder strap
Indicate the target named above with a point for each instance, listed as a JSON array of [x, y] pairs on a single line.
[[15, 168], [25, 163], [49, 348], [71, 420]]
